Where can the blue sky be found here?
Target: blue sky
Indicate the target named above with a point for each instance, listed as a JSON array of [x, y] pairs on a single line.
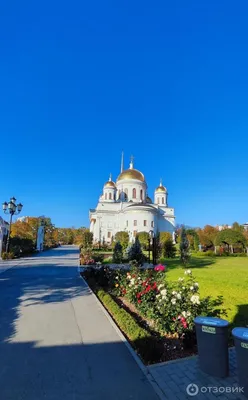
[[164, 81]]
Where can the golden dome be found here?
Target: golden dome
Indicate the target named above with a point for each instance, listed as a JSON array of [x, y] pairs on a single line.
[[161, 188], [110, 184], [131, 173], [148, 199]]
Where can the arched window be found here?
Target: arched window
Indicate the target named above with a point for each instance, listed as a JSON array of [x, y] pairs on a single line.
[[134, 193], [105, 196], [158, 200], [126, 191], [141, 194], [110, 196], [162, 200]]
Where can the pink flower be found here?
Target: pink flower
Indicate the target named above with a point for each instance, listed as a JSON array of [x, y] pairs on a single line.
[[159, 267]]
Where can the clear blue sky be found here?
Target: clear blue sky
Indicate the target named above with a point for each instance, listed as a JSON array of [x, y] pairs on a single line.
[[165, 81]]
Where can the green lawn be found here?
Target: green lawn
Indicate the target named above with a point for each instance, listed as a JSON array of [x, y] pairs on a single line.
[[219, 276]]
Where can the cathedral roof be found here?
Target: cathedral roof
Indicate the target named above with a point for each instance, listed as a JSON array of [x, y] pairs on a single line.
[[131, 173]]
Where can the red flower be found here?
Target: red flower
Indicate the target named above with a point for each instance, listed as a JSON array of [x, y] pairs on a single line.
[[138, 295], [139, 301], [159, 267], [154, 286]]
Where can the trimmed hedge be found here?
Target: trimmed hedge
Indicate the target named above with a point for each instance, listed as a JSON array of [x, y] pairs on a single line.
[[146, 345]]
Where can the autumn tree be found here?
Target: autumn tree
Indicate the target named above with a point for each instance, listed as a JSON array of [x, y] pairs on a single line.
[[123, 238], [144, 239]]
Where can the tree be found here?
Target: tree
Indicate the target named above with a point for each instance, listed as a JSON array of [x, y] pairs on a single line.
[[118, 253], [184, 247], [87, 238], [230, 238], [207, 236], [144, 239], [135, 252], [169, 249], [196, 243], [123, 238], [237, 227], [164, 236]]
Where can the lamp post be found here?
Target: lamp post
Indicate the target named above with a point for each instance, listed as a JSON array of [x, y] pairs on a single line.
[[151, 237], [13, 209]]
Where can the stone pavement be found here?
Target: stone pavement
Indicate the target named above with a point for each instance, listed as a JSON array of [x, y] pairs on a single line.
[[174, 377], [56, 343]]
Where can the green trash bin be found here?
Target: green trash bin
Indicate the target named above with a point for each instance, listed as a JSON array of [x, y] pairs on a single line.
[[241, 346], [212, 343]]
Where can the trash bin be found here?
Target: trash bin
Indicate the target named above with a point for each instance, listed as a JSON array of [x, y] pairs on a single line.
[[212, 343], [241, 346]]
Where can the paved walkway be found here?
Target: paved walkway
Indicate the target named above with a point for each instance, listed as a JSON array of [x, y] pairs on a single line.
[[55, 341], [176, 377]]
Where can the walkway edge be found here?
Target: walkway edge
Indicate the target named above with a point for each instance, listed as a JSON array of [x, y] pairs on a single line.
[[143, 368]]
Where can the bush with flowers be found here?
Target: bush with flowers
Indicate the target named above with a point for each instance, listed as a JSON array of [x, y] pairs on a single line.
[[170, 308]]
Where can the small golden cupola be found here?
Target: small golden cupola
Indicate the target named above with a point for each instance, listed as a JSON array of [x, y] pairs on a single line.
[[109, 190], [161, 195]]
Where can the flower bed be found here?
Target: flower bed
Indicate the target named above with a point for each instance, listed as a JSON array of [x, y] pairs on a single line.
[[166, 311]]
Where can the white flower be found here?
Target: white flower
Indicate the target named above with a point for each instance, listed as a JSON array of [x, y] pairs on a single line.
[[173, 300], [164, 292], [184, 314], [180, 279], [179, 296], [160, 300], [191, 287], [196, 284], [174, 292], [132, 281], [116, 277], [158, 295], [195, 299], [188, 313], [160, 286], [188, 272], [183, 287]]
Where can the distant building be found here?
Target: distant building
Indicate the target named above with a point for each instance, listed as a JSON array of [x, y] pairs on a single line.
[[125, 205], [245, 226], [222, 227]]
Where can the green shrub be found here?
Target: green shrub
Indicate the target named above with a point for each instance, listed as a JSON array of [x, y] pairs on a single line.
[[146, 345], [108, 260], [135, 252], [98, 257], [118, 253], [169, 249]]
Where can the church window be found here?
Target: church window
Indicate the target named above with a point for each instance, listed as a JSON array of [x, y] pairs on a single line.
[[110, 196], [135, 222], [141, 194], [134, 193], [126, 191], [105, 196], [152, 224], [162, 200], [159, 200], [145, 222], [109, 235]]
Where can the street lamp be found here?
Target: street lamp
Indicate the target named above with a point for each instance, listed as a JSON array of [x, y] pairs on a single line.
[[150, 241], [13, 209]]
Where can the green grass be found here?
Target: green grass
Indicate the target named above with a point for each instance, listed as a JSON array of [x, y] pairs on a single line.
[[227, 276]]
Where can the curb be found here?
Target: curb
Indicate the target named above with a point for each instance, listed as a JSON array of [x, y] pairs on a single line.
[[143, 368]]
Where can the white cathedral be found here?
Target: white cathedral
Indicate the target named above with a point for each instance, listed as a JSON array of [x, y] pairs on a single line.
[[126, 206]]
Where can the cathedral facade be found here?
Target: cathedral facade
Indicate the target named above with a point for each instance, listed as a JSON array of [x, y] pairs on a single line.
[[124, 205]]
